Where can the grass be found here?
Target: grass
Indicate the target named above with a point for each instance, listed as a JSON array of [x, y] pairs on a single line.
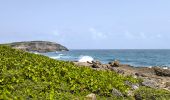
[[145, 93]]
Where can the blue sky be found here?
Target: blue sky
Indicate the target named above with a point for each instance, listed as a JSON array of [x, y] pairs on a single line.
[[88, 24]]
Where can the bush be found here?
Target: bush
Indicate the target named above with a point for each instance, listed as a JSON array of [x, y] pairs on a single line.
[[24, 76]]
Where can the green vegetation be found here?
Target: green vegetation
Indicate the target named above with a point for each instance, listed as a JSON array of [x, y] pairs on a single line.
[[29, 76], [145, 93]]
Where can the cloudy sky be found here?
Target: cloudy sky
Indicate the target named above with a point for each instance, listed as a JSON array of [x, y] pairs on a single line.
[[88, 24]]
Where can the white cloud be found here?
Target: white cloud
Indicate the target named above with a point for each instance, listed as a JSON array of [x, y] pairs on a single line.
[[143, 35], [158, 35], [140, 35], [129, 35], [97, 34]]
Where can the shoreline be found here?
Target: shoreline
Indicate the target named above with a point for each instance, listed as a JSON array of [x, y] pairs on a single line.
[[154, 77]]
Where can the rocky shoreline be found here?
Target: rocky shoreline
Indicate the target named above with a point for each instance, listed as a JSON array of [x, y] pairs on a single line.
[[154, 77]]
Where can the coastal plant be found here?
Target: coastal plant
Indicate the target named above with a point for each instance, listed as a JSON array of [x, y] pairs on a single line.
[[26, 75], [146, 93]]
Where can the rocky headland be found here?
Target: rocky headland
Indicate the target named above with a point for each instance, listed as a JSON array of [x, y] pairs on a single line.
[[154, 77], [37, 46]]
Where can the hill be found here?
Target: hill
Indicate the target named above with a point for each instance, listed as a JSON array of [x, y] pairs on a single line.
[[37, 46]]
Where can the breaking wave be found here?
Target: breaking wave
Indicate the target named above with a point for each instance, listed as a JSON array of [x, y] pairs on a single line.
[[57, 57], [85, 59]]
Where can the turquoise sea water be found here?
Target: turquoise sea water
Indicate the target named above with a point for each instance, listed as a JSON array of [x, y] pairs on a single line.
[[132, 57]]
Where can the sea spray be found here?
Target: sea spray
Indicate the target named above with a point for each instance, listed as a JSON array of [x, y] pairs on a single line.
[[57, 57], [85, 59]]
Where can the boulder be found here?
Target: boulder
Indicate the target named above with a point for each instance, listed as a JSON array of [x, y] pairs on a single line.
[[89, 62], [91, 96], [133, 86], [116, 93], [140, 74], [161, 71], [167, 84], [138, 97], [115, 63], [96, 64], [120, 71], [150, 83]]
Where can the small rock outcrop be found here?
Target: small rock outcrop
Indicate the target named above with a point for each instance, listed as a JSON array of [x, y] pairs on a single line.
[[115, 63], [116, 93], [37, 46], [99, 65], [150, 83], [161, 71], [132, 85], [96, 64]]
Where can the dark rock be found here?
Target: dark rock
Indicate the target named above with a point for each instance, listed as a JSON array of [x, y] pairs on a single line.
[[104, 66], [161, 72], [133, 86], [138, 97], [115, 63], [116, 93], [89, 62], [37, 46], [96, 64], [108, 66], [120, 71], [114, 69], [167, 84], [140, 74], [149, 83]]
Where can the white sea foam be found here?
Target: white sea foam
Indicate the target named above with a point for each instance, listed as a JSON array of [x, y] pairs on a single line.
[[165, 67], [36, 53], [60, 54], [149, 66], [56, 52], [57, 57], [85, 59]]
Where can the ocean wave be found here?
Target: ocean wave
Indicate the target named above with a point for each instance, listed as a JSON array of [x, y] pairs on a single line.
[[165, 67], [85, 59], [57, 57], [36, 53]]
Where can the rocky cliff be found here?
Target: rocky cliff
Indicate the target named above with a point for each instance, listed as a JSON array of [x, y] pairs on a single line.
[[37, 46]]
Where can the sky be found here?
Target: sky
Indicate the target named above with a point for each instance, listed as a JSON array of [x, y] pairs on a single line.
[[88, 24]]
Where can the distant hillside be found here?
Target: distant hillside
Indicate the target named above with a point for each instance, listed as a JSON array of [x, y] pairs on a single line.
[[37, 46]]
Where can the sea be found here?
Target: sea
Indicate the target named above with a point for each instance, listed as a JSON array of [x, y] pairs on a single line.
[[137, 58]]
